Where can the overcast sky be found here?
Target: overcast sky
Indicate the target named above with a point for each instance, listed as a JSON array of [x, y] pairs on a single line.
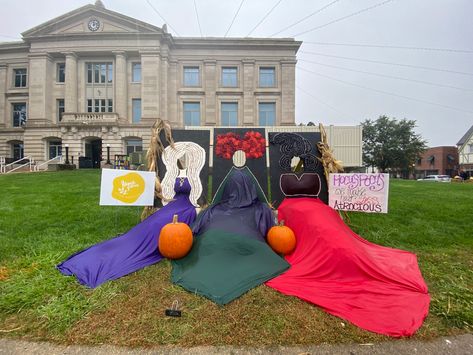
[[330, 89]]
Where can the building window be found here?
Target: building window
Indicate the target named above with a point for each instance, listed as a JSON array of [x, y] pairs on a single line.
[[134, 145], [99, 105], [99, 73], [191, 76], [229, 114], [55, 149], [471, 148], [267, 114], [19, 114], [136, 107], [60, 109], [20, 78], [18, 151], [61, 72], [136, 72], [192, 113], [229, 77], [267, 77]]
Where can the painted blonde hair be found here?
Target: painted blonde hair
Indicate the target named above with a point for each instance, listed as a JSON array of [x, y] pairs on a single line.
[[195, 159]]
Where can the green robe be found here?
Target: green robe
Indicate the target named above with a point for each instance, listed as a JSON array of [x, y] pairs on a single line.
[[230, 255]]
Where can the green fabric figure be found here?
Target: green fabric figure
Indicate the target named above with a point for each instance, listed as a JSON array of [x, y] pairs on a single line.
[[230, 255]]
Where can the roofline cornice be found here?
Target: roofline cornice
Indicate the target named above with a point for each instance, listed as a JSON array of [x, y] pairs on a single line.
[[13, 46], [93, 36], [243, 43]]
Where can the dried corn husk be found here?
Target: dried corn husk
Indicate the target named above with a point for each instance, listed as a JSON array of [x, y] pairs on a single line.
[[154, 153], [328, 160]]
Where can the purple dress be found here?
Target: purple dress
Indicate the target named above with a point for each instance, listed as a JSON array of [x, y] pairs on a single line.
[[133, 250]]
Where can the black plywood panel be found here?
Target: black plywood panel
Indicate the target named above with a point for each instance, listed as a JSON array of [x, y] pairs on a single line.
[[221, 166], [202, 138], [283, 147]]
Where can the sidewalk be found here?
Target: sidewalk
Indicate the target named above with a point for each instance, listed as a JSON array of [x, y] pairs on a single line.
[[462, 344]]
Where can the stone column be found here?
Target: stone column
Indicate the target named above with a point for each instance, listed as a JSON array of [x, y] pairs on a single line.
[[173, 109], [210, 87], [70, 97], [163, 94], [3, 88], [288, 90], [39, 81], [121, 85], [150, 69], [249, 115]]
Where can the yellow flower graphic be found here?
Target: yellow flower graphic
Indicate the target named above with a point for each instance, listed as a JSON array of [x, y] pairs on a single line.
[[128, 188]]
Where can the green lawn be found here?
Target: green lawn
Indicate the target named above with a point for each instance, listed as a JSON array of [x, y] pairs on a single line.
[[45, 217]]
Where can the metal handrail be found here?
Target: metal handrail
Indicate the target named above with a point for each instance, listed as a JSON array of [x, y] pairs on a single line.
[[2, 164], [30, 163], [58, 157]]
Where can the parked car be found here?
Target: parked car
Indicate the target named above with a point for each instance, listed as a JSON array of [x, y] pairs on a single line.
[[439, 178]]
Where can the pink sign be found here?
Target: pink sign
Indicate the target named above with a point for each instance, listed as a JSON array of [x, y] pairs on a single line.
[[359, 192]]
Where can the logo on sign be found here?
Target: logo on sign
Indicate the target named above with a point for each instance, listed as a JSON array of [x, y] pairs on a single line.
[[128, 188]]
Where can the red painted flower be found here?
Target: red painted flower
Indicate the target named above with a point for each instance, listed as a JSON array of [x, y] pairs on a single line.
[[253, 144]]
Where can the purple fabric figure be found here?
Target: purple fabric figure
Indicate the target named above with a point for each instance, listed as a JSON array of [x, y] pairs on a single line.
[[133, 250]]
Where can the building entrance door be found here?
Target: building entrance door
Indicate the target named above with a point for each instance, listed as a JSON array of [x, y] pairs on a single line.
[[93, 151]]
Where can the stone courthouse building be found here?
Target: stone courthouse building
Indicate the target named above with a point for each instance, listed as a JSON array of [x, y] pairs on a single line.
[[94, 78]]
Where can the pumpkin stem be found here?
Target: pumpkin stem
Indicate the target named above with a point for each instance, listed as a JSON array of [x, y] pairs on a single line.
[[281, 223], [174, 219]]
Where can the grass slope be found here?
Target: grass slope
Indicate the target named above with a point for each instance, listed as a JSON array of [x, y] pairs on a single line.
[[45, 217]]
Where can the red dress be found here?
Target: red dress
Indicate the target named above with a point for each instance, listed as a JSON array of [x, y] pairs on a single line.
[[377, 288]]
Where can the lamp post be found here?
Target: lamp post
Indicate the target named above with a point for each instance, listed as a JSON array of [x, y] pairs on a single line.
[[67, 153], [108, 153]]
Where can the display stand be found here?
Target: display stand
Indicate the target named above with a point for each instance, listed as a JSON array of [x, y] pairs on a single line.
[[121, 162]]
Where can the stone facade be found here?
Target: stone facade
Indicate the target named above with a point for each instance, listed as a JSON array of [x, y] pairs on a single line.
[[94, 78]]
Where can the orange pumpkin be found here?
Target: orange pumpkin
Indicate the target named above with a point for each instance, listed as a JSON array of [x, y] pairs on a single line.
[[175, 239], [282, 239]]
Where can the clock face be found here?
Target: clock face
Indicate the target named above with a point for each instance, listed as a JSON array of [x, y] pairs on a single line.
[[94, 25]]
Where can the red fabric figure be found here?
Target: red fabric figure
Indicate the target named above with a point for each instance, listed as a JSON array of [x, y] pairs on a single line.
[[376, 288]]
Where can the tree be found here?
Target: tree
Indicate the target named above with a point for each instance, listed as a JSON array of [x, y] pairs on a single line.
[[391, 144]]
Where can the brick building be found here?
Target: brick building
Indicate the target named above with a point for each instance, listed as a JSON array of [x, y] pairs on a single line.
[[437, 161]]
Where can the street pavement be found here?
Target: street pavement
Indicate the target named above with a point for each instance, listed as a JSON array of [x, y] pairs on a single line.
[[455, 345]]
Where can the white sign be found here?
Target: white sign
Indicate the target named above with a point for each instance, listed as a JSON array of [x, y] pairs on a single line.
[[359, 192], [127, 188]]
